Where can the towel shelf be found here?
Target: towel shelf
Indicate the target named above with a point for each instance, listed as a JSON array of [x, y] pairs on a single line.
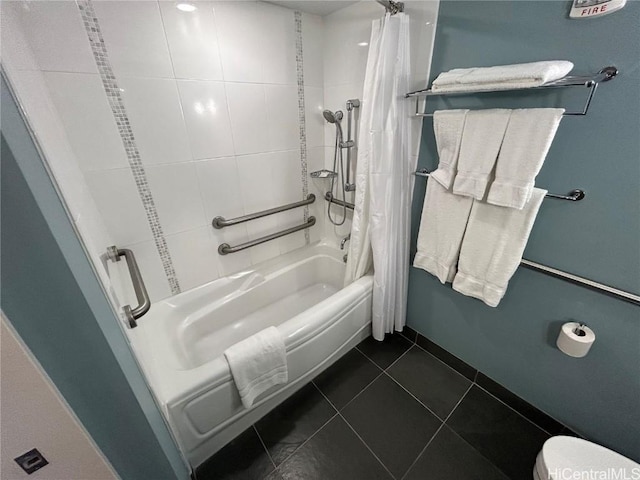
[[589, 81], [573, 196]]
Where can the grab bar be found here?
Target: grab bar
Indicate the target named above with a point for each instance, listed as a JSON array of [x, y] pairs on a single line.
[[225, 248], [144, 303], [221, 222], [330, 198], [585, 282]]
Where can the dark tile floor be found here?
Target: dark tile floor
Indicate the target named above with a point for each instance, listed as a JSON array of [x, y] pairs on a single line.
[[391, 410]]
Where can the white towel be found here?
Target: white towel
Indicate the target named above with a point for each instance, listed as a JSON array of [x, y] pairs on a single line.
[[257, 364], [492, 248], [447, 127], [521, 75], [442, 226], [481, 140], [524, 148]]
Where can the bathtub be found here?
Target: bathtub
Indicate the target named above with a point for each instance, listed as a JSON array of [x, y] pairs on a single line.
[[180, 342]]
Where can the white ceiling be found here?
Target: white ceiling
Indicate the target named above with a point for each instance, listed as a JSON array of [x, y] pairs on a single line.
[[316, 7]]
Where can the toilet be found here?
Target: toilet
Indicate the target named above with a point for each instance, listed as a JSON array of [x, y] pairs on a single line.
[[563, 457]]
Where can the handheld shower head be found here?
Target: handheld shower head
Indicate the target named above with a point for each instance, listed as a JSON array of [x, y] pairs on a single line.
[[331, 117]]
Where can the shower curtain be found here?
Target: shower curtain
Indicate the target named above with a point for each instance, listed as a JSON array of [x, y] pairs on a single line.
[[384, 182]]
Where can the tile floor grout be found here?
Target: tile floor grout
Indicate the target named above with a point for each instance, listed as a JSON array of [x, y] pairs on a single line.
[[305, 442], [474, 382], [358, 435], [264, 446], [438, 431]]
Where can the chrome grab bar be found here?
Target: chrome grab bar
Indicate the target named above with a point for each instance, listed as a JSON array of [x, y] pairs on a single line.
[[574, 195], [330, 198], [225, 248], [221, 222], [144, 302]]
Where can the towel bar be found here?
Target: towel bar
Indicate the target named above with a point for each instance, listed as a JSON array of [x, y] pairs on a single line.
[[589, 81], [574, 195]]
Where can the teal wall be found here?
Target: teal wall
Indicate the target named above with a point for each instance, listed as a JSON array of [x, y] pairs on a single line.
[[54, 301], [598, 238]]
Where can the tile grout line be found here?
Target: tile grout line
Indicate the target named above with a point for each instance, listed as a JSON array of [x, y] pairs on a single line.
[[436, 433], [121, 118], [517, 412], [307, 440], [414, 397], [357, 434], [264, 446], [474, 382], [302, 125]]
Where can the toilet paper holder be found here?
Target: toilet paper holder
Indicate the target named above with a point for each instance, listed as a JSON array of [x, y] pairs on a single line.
[[579, 330]]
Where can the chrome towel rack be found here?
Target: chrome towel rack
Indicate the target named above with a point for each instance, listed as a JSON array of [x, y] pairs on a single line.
[[221, 222], [589, 81], [225, 248], [144, 302], [574, 195]]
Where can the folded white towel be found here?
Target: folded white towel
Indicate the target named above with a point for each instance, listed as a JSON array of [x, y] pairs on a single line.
[[481, 140], [257, 364], [492, 248], [442, 226], [447, 127], [524, 148], [521, 75]]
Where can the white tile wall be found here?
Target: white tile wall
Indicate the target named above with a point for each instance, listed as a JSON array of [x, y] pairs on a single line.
[[177, 197], [212, 100], [155, 113], [87, 119], [282, 117], [206, 116], [135, 39], [116, 196], [193, 41], [248, 112], [195, 257], [55, 33]]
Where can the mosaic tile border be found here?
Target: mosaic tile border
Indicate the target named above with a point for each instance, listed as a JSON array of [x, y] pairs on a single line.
[[116, 102], [301, 117]]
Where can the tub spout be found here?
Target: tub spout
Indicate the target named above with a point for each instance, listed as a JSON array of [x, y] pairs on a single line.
[[344, 241]]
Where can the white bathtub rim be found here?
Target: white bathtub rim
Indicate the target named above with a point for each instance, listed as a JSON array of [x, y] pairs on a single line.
[[172, 385]]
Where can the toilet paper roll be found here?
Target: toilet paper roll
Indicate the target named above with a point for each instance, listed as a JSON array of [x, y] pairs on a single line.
[[575, 340]]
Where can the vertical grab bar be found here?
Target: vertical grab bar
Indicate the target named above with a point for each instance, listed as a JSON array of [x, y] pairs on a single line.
[[144, 302]]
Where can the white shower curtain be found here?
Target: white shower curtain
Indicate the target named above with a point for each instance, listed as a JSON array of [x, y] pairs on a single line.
[[384, 180]]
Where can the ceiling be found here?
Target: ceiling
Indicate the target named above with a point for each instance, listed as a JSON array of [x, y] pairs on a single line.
[[316, 7]]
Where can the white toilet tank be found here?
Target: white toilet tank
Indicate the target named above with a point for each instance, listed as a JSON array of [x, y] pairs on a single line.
[[564, 457]]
